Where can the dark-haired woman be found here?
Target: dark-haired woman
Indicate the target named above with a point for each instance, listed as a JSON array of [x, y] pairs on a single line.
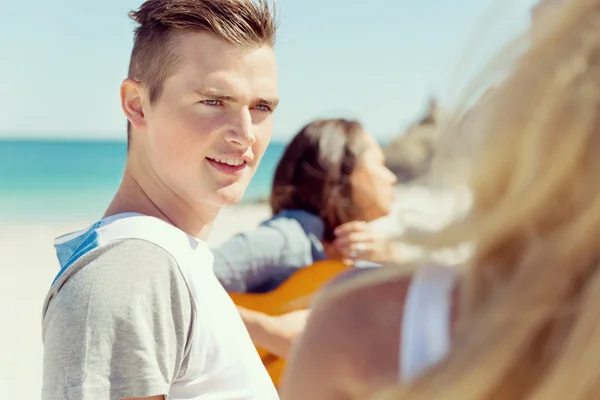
[[330, 182]]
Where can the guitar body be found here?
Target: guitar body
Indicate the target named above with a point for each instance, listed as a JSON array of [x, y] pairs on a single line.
[[293, 294]]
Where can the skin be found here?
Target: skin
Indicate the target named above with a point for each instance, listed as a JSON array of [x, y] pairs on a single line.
[[276, 334], [219, 103], [373, 183], [373, 190], [350, 346]]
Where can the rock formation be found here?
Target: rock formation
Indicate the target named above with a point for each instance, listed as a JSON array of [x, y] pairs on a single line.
[[409, 155]]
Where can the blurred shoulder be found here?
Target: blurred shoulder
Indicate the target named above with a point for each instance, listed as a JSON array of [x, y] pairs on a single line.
[[354, 334], [360, 317]]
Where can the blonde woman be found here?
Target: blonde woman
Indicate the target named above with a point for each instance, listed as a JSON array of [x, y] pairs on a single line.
[[521, 320]]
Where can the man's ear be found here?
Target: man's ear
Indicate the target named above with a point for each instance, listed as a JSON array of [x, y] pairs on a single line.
[[131, 103]]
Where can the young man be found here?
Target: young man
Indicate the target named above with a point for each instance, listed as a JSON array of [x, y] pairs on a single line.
[[136, 311]]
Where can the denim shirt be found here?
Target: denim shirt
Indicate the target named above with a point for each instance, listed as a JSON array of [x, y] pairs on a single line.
[[259, 260]]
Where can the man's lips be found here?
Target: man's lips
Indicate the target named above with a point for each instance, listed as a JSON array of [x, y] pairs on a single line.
[[227, 166]]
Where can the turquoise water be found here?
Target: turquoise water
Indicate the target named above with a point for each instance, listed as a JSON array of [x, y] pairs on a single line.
[[61, 179]]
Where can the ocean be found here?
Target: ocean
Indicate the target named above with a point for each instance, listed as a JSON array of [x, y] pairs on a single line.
[[58, 180]]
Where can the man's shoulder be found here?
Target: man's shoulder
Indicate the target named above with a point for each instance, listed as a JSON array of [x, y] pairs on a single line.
[[125, 306], [135, 254], [124, 257], [128, 239], [117, 268]]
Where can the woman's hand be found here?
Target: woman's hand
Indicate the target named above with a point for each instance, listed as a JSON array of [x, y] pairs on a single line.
[[356, 240]]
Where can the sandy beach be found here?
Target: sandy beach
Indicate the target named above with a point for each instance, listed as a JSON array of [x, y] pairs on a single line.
[[28, 265]]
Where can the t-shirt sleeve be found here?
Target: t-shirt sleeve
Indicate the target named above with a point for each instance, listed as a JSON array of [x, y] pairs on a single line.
[[118, 326]]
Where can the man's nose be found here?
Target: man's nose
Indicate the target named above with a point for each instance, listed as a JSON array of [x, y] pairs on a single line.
[[241, 130]]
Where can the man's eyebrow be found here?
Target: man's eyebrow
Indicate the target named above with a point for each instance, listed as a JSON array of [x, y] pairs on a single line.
[[214, 94], [217, 95], [269, 102]]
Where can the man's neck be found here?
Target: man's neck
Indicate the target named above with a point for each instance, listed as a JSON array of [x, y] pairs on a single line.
[[133, 196]]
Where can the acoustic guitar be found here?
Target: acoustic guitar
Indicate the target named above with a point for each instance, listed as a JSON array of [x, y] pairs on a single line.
[[293, 294]]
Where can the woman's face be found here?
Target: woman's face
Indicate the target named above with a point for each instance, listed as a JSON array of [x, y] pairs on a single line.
[[372, 182]]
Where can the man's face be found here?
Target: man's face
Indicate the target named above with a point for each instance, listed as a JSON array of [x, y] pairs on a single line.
[[206, 133]]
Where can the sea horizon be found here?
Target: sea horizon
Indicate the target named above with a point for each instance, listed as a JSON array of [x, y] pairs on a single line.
[[64, 179], [93, 139]]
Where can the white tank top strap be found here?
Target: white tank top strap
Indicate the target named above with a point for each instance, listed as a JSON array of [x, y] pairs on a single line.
[[426, 320]]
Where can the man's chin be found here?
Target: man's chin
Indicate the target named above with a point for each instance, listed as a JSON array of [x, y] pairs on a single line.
[[230, 196]]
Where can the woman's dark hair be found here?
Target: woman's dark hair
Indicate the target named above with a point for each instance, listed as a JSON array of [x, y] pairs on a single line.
[[314, 172]]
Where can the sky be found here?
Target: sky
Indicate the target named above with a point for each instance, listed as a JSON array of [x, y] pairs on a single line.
[[62, 61]]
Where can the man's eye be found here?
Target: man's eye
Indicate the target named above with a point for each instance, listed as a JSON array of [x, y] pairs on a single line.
[[212, 103], [263, 107]]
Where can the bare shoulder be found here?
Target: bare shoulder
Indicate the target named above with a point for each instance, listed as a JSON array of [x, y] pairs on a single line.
[[352, 336], [368, 310]]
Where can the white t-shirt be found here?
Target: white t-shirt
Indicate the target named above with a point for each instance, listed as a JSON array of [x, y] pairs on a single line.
[[426, 325], [136, 311]]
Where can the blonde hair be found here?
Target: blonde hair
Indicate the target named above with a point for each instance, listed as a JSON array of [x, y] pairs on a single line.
[[529, 319]]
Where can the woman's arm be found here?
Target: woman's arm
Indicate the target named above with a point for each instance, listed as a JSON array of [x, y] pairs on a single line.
[[249, 260], [274, 333]]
